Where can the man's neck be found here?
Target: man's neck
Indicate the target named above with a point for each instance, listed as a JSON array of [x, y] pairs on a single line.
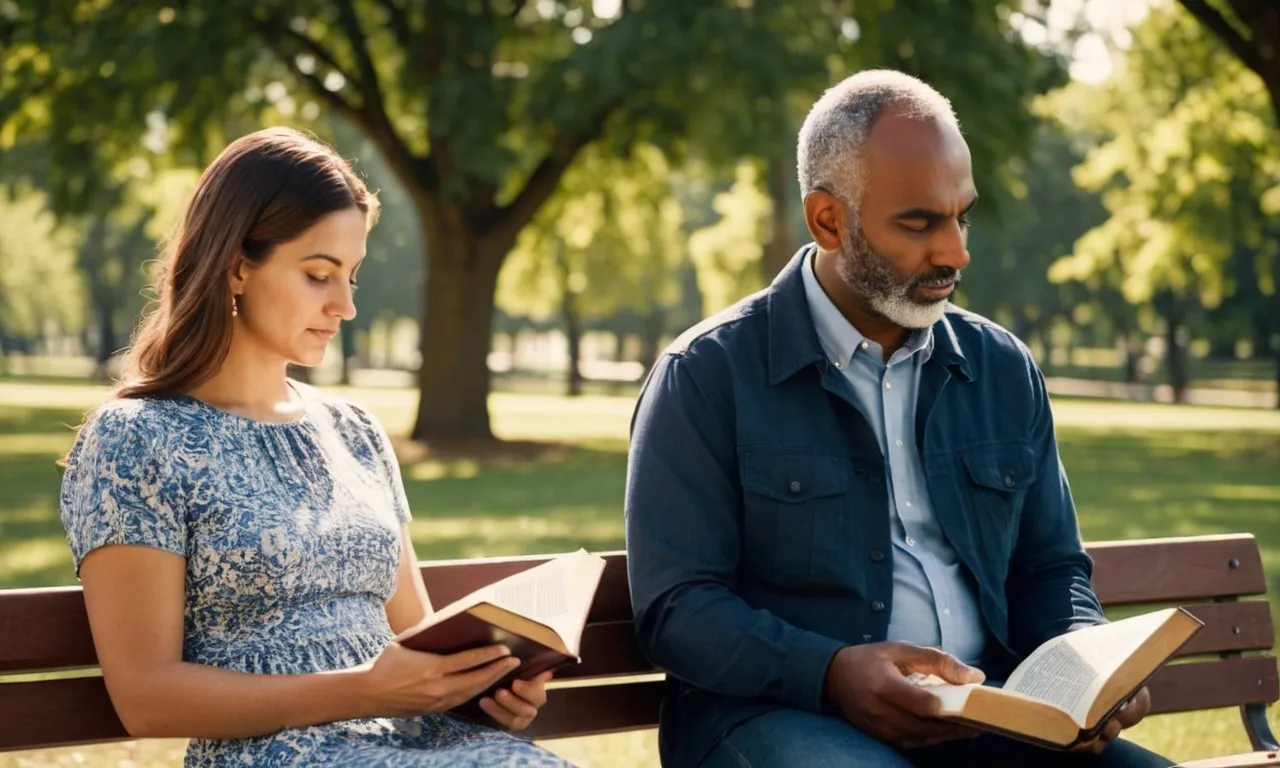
[[871, 324]]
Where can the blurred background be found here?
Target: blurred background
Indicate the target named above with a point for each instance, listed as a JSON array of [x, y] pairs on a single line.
[[568, 185]]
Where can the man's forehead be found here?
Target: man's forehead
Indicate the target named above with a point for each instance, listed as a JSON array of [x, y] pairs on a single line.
[[925, 158]]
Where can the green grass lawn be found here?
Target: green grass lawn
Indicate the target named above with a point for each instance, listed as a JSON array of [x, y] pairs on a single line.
[[1137, 471]]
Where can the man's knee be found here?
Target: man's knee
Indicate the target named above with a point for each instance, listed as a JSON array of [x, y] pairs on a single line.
[[785, 736]]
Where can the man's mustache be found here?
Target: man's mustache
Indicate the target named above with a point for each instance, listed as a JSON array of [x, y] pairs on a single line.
[[937, 278]]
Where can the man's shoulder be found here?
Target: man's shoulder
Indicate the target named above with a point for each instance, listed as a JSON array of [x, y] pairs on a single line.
[[982, 338], [741, 324]]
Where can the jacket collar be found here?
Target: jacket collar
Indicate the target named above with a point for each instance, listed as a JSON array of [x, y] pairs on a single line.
[[793, 339]]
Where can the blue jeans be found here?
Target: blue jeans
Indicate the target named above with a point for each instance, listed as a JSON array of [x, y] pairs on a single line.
[[789, 737]]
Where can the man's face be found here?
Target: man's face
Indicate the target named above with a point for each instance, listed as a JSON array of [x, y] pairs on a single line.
[[905, 251]]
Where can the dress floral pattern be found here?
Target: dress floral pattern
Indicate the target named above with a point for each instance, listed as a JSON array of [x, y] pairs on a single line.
[[290, 534]]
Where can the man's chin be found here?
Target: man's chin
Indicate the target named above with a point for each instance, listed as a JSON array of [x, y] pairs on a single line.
[[907, 313]]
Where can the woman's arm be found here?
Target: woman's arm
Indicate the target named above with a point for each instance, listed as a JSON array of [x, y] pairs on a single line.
[[409, 604], [134, 597]]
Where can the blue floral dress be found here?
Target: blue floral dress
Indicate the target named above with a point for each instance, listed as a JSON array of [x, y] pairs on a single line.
[[290, 534]]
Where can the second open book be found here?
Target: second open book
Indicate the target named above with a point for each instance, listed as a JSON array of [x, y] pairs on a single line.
[[1065, 691], [539, 614]]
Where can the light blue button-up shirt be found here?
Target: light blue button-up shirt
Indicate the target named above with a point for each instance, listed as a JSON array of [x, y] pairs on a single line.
[[934, 603]]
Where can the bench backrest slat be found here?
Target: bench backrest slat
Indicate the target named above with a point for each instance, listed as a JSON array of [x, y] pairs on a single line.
[[47, 629], [1177, 570]]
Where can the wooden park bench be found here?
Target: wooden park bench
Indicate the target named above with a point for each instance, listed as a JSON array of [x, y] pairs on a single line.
[[615, 689]]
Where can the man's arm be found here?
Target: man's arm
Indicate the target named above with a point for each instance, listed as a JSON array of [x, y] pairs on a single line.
[[1048, 586], [684, 529]]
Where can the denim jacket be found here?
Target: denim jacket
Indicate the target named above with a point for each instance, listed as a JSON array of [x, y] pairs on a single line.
[[757, 515]]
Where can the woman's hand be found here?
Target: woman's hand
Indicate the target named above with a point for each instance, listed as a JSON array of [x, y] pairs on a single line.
[[405, 683], [515, 709]]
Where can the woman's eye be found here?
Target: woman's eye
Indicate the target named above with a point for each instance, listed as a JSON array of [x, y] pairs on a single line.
[[318, 280]]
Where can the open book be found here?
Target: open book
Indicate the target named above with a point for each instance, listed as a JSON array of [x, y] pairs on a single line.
[[1065, 691], [539, 614]]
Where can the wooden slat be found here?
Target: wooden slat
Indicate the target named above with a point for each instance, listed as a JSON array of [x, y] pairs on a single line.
[[1231, 627], [78, 711], [1213, 684], [57, 713], [44, 629], [609, 649], [590, 711], [1248, 760], [1177, 569]]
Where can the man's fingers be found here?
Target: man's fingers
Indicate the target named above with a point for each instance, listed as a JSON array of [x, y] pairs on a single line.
[[931, 661], [1112, 730], [909, 698]]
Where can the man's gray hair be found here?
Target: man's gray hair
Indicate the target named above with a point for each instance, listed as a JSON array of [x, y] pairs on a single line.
[[835, 132]]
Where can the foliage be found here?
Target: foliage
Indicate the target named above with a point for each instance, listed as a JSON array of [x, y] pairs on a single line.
[[611, 236], [40, 288], [1187, 166], [727, 253]]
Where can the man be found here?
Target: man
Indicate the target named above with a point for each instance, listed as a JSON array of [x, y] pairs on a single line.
[[843, 479]]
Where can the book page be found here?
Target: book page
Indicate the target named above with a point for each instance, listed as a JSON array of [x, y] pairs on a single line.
[[556, 593], [1071, 670]]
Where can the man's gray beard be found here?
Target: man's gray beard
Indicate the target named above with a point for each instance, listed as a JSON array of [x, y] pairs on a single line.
[[888, 293]]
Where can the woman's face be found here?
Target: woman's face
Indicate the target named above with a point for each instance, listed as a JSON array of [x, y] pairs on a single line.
[[291, 304]]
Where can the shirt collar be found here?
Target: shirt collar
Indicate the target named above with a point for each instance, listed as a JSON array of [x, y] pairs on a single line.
[[839, 338]]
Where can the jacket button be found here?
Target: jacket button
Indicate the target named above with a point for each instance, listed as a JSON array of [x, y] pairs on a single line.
[[877, 606], [876, 555], [1008, 481], [795, 486]]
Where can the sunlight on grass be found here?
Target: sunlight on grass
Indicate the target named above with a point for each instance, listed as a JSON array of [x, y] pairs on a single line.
[[22, 557]]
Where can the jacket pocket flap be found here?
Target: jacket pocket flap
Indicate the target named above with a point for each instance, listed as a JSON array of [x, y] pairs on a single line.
[[794, 478], [1001, 467]]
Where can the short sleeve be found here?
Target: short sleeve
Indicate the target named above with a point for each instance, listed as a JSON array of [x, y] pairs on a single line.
[[385, 455], [117, 489]]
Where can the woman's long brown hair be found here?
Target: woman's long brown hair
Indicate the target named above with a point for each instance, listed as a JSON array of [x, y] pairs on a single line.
[[264, 189]]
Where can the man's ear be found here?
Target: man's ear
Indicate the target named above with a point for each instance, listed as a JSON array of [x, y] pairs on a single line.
[[824, 215]]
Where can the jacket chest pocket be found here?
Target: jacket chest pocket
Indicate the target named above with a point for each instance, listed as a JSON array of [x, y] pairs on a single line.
[[796, 526], [993, 482]]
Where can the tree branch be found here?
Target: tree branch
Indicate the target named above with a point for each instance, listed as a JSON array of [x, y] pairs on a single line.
[[1247, 52], [370, 89], [507, 221], [401, 27]]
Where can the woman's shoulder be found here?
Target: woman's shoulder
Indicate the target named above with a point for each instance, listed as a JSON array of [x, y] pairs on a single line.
[[131, 425], [354, 420]]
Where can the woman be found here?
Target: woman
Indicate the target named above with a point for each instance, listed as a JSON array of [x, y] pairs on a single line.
[[243, 539]]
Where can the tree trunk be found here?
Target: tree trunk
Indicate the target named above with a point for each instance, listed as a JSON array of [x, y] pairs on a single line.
[[573, 336], [619, 346], [1175, 355], [457, 324], [782, 187], [1131, 343], [653, 323]]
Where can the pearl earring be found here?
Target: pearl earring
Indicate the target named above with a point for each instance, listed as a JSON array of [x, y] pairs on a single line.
[[235, 305]]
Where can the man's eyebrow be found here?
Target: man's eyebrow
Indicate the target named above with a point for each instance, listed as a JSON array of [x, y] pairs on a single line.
[[929, 215]]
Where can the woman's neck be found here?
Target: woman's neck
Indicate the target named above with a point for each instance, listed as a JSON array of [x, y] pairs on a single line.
[[253, 385]]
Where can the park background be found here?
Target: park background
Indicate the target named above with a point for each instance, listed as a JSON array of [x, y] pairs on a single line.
[[567, 185]]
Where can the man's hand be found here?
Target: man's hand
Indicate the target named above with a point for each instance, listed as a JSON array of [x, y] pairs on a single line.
[[1129, 715], [869, 685]]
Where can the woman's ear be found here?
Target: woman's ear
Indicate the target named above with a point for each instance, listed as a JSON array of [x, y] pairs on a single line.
[[238, 275]]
